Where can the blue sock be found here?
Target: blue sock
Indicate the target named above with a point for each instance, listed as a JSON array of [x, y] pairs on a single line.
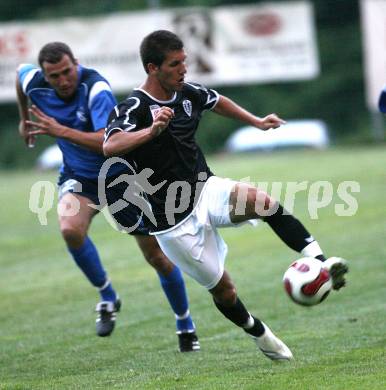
[[87, 259], [107, 292], [174, 288]]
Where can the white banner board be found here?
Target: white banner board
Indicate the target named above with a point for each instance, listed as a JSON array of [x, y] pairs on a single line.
[[373, 17], [225, 45]]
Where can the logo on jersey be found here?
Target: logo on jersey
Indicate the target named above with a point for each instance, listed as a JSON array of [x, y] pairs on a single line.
[[80, 114], [187, 105]]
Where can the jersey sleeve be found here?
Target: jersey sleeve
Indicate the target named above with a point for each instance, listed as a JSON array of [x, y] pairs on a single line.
[[101, 101], [124, 117], [207, 97], [25, 73]]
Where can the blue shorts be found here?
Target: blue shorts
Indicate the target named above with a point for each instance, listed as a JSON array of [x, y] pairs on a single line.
[[127, 217]]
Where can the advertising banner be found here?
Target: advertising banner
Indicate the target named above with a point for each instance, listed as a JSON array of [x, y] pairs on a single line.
[[269, 42]]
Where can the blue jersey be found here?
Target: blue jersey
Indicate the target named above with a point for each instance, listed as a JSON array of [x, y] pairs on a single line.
[[87, 111]]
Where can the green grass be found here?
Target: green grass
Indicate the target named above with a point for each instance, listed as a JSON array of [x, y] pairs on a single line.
[[47, 336]]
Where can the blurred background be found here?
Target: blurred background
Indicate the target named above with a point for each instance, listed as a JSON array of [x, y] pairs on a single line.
[[311, 61]]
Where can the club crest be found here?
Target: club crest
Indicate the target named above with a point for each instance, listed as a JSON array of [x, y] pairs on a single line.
[[187, 105], [80, 114]]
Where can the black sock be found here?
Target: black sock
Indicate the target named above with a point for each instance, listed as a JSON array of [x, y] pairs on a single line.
[[289, 229], [237, 313], [240, 316], [257, 329]]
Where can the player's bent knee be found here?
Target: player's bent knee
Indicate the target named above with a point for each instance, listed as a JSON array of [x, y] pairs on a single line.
[[160, 262], [226, 296], [73, 236], [229, 296]]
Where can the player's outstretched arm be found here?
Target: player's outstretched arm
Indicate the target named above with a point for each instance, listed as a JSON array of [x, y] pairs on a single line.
[[227, 107], [46, 125], [22, 104]]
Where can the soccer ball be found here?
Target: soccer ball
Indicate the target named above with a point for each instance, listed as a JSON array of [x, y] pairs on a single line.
[[307, 282]]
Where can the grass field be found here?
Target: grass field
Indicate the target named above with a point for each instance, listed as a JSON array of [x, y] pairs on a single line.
[[47, 336]]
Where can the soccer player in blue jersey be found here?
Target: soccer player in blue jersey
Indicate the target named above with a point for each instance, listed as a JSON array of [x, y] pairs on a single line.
[[71, 103], [155, 127]]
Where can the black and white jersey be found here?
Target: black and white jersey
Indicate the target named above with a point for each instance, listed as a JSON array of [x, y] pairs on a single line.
[[178, 166]]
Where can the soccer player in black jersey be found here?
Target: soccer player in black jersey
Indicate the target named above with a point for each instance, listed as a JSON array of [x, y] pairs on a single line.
[[154, 129]]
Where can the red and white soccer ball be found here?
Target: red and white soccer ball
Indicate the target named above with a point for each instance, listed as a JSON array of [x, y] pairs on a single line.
[[307, 282]]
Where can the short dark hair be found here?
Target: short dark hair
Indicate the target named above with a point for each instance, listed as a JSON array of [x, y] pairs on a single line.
[[156, 45], [53, 52]]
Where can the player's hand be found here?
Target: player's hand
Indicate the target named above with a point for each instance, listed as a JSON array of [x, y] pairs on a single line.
[[271, 121], [44, 124], [161, 121], [24, 131]]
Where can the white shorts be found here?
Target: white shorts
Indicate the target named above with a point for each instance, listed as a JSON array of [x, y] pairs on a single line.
[[195, 245]]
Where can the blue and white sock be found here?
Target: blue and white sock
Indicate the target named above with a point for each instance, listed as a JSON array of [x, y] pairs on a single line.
[[184, 323], [107, 292], [174, 288], [87, 259]]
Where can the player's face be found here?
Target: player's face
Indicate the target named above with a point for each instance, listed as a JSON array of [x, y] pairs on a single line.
[[62, 76], [171, 73]]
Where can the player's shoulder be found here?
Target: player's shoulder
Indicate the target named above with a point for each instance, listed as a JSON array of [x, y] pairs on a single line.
[[198, 93], [194, 92], [30, 76], [134, 108], [90, 75], [195, 88], [94, 82], [129, 104], [26, 68], [136, 99]]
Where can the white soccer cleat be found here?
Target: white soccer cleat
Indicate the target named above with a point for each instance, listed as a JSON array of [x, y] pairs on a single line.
[[337, 268], [272, 347]]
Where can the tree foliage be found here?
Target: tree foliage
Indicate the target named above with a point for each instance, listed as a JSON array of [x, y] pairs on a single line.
[[336, 96]]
